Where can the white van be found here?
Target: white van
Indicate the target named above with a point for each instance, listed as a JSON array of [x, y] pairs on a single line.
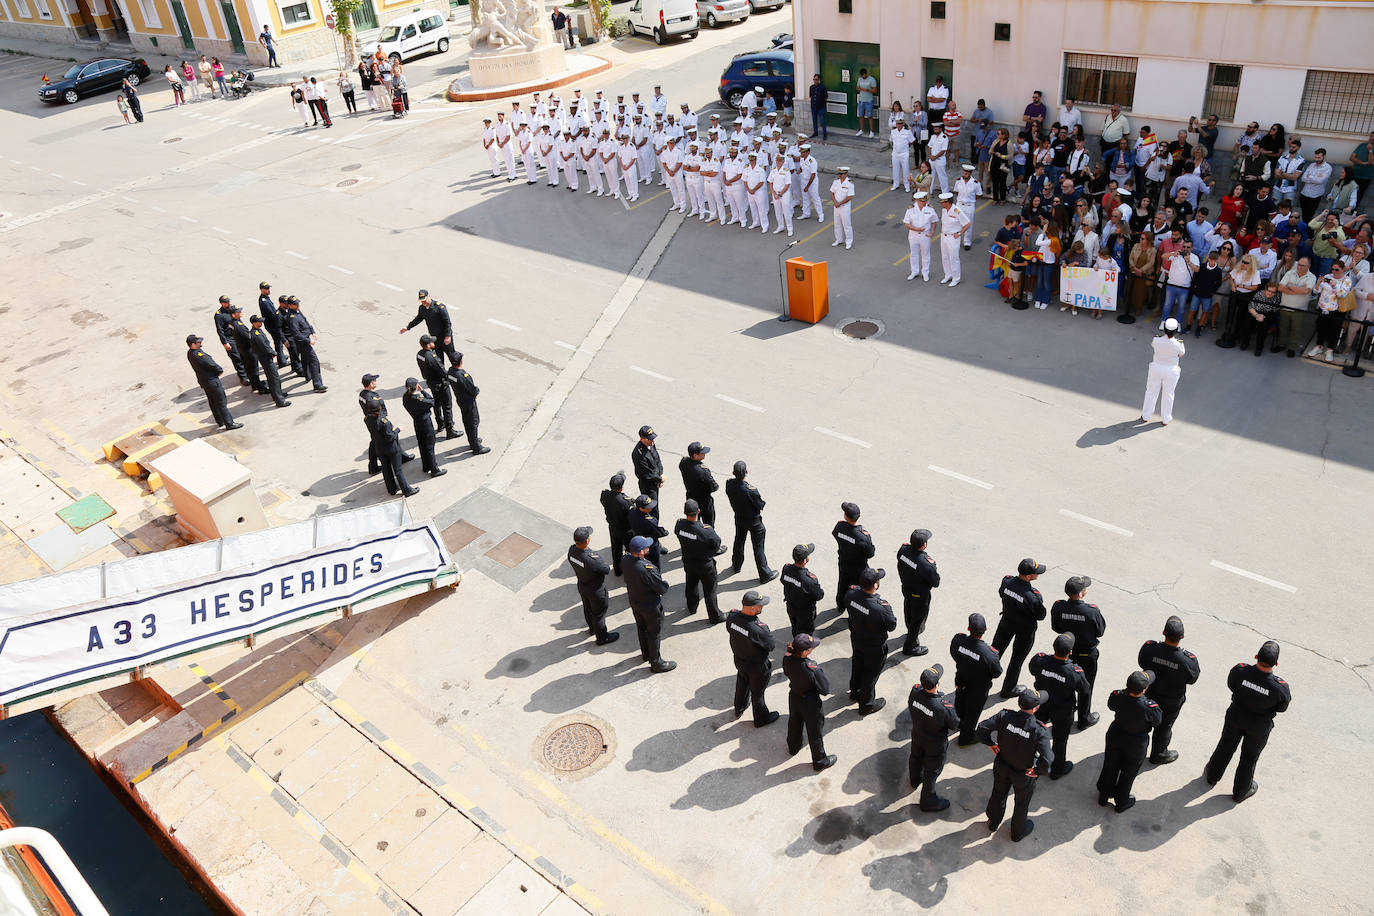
[[664, 19], [414, 34]]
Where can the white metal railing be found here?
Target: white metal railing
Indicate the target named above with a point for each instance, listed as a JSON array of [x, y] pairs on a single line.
[[58, 864]]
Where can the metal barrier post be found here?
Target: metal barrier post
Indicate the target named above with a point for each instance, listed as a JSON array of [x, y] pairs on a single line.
[[1127, 315], [1227, 340], [1353, 370]]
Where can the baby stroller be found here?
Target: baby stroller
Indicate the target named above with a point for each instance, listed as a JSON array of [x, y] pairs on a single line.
[[240, 83], [398, 105]]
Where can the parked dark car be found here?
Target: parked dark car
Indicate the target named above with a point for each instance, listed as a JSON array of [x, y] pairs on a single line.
[[783, 40], [771, 69], [94, 76]]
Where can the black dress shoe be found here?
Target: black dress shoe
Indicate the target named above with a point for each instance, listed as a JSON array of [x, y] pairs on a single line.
[[321, 388], [1254, 787], [993, 825], [772, 717], [373, 472], [609, 638], [1089, 720], [659, 665], [768, 577], [1165, 757], [1103, 800], [453, 433], [1030, 828], [284, 403], [939, 804], [824, 763], [482, 450], [877, 704], [411, 492], [735, 567], [1062, 771], [1124, 806], [229, 426], [405, 458], [1007, 695], [962, 743], [915, 650], [721, 550], [438, 472]]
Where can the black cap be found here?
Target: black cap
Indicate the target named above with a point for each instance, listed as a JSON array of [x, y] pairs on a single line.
[[584, 533], [192, 338], [1173, 628], [1029, 566], [617, 480], [294, 299], [374, 409], [283, 299], [690, 507], [850, 510], [235, 309], [645, 501], [264, 285], [802, 551], [696, 448], [647, 432], [255, 319], [1063, 644], [1137, 681], [412, 382], [223, 299], [1076, 584], [977, 623], [427, 339], [871, 576], [931, 676], [740, 469], [804, 641], [1032, 698], [423, 294], [370, 377], [1268, 653], [920, 537], [754, 599]]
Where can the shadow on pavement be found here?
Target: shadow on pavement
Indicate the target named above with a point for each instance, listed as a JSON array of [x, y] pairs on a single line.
[[1107, 435], [726, 787]]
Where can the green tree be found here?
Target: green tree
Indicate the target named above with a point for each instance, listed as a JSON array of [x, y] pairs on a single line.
[[343, 24]]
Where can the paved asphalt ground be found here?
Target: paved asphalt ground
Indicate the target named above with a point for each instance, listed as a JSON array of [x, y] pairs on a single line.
[[1008, 434]]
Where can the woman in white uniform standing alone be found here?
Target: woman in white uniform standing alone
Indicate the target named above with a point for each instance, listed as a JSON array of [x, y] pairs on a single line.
[[1164, 371]]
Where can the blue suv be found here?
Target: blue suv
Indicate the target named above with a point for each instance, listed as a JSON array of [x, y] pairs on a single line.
[[771, 69]]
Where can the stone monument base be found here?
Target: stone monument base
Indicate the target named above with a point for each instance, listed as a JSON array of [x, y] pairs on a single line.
[[488, 69], [574, 67]]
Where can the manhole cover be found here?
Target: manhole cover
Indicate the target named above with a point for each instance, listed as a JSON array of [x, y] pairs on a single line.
[[861, 328], [573, 747], [347, 182], [352, 168], [172, 140]]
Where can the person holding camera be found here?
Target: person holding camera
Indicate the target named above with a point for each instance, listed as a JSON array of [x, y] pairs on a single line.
[[1327, 239]]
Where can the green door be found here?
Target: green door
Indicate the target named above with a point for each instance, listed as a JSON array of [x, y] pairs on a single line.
[[183, 26], [940, 66], [840, 64], [231, 23], [364, 17]]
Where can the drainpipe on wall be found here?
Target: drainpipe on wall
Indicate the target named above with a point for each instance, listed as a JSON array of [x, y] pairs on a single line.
[[800, 72]]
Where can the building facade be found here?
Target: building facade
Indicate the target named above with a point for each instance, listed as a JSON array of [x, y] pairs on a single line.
[[1302, 63], [220, 28]]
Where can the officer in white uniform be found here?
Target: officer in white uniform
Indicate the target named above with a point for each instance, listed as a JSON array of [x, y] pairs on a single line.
[[672, 170], [756, 187], [937, 152], [811, 184], [902, 138], [658, 139], [688, 118], [525, 142], [953, 225], [489, 144], [576, 121], [737, 135], [920, 223], [658, 102], [1164, 371], [591, 162], [794, 157], [644, 149], [691, 174], [780, 189], [505, 143], [714, 187], [629, 168], [715, 142], [750, 101], [568, 156], [546, 142], [841, 196], [967, 191], [517, 117], [608, 154], [732, 171]]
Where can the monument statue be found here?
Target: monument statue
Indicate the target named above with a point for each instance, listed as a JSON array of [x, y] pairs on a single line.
[[512, 44], [506, 25]]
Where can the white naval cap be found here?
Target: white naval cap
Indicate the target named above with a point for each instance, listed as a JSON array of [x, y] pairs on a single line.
[[805, 146], [919, 195], [946, 196], [967, 167], [758, 88], [843, 168]]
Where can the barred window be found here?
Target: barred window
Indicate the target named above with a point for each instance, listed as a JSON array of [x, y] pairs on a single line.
[[1223, 85], [1339, 102], [1098, 79]]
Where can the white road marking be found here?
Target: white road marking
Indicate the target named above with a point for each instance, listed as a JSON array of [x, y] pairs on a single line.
[[221, 231], [159, 209], [80, 183], [957, 476], [297, 254], [388, 286], [651, 374], [342, 270], [1096, 523], [55, 175], [132, 200], [503, 324], [565, 345], [738, 403], [256, 241], [843, 438], [190, 219], [1281, 586]]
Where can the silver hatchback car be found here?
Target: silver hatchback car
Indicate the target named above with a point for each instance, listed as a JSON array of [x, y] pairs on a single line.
[[714, 12]]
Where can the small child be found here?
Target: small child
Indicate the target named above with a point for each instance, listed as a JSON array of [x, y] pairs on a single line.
[[123, 107]]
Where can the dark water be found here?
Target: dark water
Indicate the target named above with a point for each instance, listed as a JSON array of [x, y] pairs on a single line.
[[45, 782]]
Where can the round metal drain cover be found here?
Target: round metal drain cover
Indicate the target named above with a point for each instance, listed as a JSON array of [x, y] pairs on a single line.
[[347, 182], [862, 328], [172, 140], [352, 168], [573, 747]]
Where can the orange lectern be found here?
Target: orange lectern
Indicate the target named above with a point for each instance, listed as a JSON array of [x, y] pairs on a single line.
[[808, 290]]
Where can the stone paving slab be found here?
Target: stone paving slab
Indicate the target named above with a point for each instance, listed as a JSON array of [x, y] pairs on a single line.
[[272, 720], [342, 751], [345, 780], [384, 842], [307, 731], [460, 880], [438, 845], [357, 815], [516, 890]]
